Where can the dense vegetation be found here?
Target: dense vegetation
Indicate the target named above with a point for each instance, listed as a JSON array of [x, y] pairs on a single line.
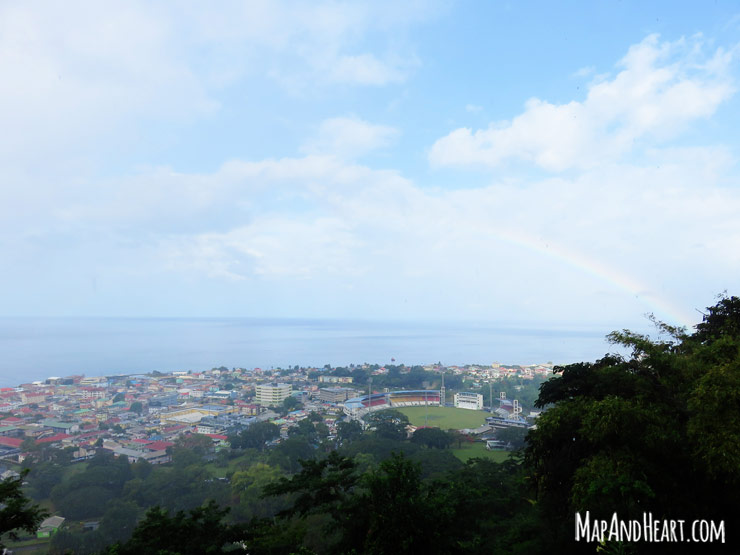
[[656, 432]]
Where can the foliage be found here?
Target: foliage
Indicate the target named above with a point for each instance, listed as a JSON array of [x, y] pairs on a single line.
[[291, 452], [199, 531], [255, 436], [16, 510], [657, 432], [514, 437], [290, 404], [432, 438], [347, 432], [388, 424]]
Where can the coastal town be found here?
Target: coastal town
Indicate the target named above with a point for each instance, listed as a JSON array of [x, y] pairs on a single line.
[[141, 416]]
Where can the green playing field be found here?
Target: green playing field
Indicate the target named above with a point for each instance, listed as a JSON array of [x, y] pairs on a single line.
[[446, 418]]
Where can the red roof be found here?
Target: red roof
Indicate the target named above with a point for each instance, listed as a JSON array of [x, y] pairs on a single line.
[[11, 441], [216, 436], [11, 420], [52, 439]]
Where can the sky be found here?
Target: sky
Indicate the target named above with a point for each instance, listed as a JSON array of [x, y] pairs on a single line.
[[537, 163]]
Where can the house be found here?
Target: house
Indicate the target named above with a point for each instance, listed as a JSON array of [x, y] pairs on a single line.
[[61, 427], [49, 526]]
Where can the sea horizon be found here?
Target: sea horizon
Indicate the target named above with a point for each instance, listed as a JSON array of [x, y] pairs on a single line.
[[35, 348]]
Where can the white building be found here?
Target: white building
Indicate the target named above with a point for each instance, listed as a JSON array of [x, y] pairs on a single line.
[[271, 394], [466, 400]]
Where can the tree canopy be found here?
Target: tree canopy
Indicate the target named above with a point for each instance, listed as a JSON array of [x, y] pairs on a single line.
[[17, 512], [657, 431]]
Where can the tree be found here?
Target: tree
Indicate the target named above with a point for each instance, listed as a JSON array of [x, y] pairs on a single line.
[[119, 520], [255, 436], [432, 437], [291, 404], [389, 424], [201, 530], [304, 428], [136, 407], [347, 432], [246, 488], [200, 444], [314, 416], [320, 485], [722, 319], [623, 432], [292, 453], [515, 437], [401, 514], [17, 512]]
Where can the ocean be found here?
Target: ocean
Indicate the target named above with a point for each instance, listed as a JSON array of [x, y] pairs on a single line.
[[37, 348]]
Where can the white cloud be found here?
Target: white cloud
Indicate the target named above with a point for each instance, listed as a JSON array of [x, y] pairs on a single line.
[[349, 137], [613, 237], [77, 71], [660, 89], [70, 74], [555, 249]]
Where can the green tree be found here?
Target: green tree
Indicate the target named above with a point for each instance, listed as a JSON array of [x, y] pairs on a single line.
[[321, 485], [290, 404], [347, 432], [401, 514], [623, 433], [16, 510], [304, 428], [246, 488], [292, 453], [119, 520], [255, 436], [516, 437], [201, 530], [432, 437], [389, 424]]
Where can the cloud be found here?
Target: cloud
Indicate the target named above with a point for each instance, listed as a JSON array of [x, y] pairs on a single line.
[[620, 234], [350, 137], [660, 88], [271, 247], [617, 235], [610, 240], [70, 74], [77, 72]]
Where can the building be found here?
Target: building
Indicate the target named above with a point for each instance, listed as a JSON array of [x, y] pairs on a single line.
[[336, 394], [49, 526], [467, 400], [335, 379], [271, 394]]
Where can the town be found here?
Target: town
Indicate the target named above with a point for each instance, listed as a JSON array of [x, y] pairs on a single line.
[[140, 416], [64, 422]]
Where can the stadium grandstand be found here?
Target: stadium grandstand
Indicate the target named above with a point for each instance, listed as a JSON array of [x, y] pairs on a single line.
[[359, 406]]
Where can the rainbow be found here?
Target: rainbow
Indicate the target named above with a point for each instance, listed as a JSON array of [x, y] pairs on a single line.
[[661, 306]]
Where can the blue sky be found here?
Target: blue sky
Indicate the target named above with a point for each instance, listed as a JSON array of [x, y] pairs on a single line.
[[531, 163]]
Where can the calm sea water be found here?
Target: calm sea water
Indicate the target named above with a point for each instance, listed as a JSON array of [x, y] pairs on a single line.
[[36, 348]]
